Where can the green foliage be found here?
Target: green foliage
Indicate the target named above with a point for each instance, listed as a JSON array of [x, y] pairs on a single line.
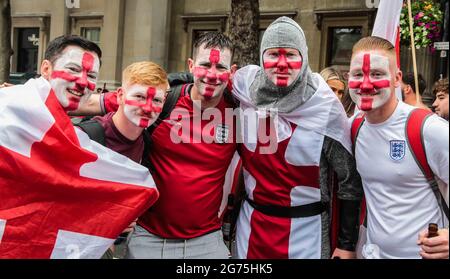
[[427, 17]]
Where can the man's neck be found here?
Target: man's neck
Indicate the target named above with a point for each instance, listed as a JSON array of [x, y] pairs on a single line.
[[382, 113], [205, 103], [125, 127], [412, 101]]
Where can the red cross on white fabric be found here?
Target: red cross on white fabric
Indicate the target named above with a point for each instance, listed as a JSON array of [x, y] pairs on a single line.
[[275, 179], [45, 197]]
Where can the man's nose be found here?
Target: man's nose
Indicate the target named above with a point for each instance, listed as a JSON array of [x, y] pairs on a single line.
[[282, 62], [212, 73], [82, 82], [366, 85]]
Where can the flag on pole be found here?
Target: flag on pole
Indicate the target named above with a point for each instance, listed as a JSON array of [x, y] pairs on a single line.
[[387, 26], [61, 194]]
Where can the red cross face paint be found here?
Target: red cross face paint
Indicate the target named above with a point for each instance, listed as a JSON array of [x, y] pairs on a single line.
[[74, 76], [212, 71], [282, 65], [369, 80], [143, 104]]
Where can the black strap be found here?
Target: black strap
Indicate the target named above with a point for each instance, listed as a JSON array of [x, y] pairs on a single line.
[[306, 210], [146, 154], [94, 130]]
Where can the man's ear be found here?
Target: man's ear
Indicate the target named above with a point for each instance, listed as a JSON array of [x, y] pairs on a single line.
[[46, 69], [233, 70], [120, 96], [191, 65], [398, 78]]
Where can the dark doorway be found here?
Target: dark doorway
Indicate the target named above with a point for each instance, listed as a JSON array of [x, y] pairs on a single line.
[[28, 47]]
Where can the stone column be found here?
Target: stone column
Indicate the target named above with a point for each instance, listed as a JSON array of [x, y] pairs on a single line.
[[112, 43], [59, 19], [159, 31]]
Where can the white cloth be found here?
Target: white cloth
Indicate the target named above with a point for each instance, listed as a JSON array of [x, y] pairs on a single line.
[[400, 202], [323, 113]]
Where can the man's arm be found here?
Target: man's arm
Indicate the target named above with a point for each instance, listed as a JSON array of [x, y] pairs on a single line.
[[350, 193], [90, 107], [436, 141]]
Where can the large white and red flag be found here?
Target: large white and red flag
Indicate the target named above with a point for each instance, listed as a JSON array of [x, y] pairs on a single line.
[[61, 195], [387, 26]]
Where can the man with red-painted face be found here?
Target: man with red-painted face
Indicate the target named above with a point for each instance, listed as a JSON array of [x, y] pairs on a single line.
[[400, 201], [140, 98], [295, 132]]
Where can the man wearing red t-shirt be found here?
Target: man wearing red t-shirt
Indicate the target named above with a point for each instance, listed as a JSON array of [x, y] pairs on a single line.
[[190, 156]]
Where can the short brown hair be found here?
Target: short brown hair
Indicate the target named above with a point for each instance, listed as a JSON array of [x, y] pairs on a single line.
[[144, 73], [441, 86], [374, 43]]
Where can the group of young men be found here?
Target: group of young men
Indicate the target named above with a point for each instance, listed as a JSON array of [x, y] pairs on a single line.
[[303, 177]]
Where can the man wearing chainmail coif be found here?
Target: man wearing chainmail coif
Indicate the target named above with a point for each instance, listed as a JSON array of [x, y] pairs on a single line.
[[295, 133]]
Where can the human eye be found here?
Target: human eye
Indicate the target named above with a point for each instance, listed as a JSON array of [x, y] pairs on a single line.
[[157, 100]]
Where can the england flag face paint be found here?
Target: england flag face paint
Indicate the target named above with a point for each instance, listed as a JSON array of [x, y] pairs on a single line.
[[282, 65], [74, 76], [143, 104], [212, 71], [369, 80]]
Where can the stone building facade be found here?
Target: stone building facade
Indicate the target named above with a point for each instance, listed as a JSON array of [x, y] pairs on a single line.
[[163, 30]]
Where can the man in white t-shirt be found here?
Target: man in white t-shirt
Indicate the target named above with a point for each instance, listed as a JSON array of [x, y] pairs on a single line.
[[400, 202]]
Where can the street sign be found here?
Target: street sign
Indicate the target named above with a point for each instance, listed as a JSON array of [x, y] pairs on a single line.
[[441, 45]]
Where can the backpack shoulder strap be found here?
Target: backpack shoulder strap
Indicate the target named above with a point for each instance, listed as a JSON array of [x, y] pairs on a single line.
[[356, 126], [171, 100], [414, 136], [94, 130], [145, 161]]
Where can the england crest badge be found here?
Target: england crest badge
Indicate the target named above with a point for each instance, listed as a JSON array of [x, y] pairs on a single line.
[[222, 133], [397, 151]]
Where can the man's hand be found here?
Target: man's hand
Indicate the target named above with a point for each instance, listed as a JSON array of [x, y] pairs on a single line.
[[435, 247], [343, 254], [130, 228], [5, 84]]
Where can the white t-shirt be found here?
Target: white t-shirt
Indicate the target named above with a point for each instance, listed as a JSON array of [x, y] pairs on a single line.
[[400, 202]]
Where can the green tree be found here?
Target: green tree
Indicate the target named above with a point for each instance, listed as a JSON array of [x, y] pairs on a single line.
[[244, 31], [5, 40]]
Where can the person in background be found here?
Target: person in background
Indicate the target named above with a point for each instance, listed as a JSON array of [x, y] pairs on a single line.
[[408, 86], [335, 80], [440, 91]]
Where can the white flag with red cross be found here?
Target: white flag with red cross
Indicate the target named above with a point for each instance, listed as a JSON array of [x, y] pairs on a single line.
[[61, 195], [387, 26]]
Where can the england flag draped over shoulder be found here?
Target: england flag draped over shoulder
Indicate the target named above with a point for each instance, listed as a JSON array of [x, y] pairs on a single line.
[[387, 26], [61, 195]]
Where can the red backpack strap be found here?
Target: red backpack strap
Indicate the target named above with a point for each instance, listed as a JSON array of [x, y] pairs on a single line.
[[356, 126], [414, 136]]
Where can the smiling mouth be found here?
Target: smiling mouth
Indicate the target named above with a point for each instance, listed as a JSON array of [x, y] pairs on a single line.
[[75, 93], [368, 94]]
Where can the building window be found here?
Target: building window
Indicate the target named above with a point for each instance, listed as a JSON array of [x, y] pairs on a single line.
[[341, 42], [91, 33], [28, 49], [340, 30]]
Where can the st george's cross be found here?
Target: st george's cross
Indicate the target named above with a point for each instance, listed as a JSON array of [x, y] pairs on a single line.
[[275, 179], [62, 195]]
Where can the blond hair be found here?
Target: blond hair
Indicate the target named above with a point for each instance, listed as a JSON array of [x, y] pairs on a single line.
[[144, 73], [331, 73], [374, 43]]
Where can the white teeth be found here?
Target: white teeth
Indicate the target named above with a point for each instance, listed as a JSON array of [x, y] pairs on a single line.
[[78, 94]]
